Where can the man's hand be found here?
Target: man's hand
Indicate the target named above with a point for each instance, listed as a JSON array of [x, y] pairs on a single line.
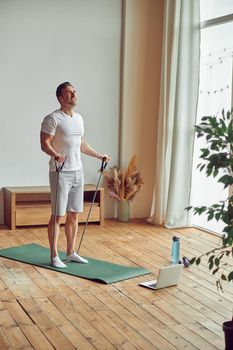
[[106, 158], [60, 158]]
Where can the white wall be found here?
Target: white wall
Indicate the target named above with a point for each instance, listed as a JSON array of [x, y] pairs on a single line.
[[43, 43]]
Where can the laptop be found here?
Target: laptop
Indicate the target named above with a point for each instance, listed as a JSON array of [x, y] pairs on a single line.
[[168, 276]]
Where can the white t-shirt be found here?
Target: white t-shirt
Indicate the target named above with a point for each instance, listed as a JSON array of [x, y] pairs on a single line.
[[67, 132]]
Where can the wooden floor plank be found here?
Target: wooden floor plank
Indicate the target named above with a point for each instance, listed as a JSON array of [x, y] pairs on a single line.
[[16, 338], [85, 327], [11, 330], [45, 324], [169, 316], [63, 323], [152, 335], [44, 309], [4, 343], [125, 323], [36, 337], [16, 312], [151, 321]]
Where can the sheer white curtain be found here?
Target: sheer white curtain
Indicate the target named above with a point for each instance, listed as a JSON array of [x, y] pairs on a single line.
[[177, 114]]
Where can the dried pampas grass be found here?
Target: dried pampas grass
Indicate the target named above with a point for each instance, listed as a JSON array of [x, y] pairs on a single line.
[[123, 185]]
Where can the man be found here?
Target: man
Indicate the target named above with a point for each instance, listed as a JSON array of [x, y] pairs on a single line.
[[62, 138]]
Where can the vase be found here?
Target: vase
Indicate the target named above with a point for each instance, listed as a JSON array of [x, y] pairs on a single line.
[[228, 332], [123, 211]]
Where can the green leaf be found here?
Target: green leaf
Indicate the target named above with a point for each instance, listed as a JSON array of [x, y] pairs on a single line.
[[213, 121], [199, 210], [219, 285], [230, 127], [211, 264], [214, 146], [223, 113], [198, 261], [230, 276], [229, 241], [211, 258], [202, 167], [216, 270], [205, 152], [216, 261], [215, 173], [223, 124], [223, 277], [209, 171], [209, 131], [188, 208], [221, 255], [227, 180], [215, 205], [210, 216], [192, 260], [206, 117]]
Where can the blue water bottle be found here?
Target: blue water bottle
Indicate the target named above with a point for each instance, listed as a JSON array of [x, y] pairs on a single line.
[[175, 249]]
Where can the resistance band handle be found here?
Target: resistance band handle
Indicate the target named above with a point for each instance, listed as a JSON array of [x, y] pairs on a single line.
[[59, 166], [103, 164]]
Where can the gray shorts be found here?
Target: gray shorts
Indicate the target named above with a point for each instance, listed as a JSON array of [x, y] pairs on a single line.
[[69, 192]]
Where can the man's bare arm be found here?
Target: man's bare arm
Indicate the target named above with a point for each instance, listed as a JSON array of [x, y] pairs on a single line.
[[88, 150], [45, 142]]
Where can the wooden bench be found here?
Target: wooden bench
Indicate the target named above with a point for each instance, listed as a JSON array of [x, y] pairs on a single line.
[[26, 206]]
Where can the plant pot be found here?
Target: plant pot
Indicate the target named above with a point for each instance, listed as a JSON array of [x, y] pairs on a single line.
[[123, 211], [228, 331]]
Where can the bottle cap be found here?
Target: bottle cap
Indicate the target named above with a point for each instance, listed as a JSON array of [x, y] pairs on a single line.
[[176, 238]]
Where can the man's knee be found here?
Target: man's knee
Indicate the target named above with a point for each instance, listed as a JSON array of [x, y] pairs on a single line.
[[56, 218], [72, 217]]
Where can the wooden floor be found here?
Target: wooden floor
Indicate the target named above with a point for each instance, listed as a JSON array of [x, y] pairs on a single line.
[[43, 309]]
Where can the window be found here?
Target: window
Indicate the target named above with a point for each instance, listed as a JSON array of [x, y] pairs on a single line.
[[215, 93], [215, 8]]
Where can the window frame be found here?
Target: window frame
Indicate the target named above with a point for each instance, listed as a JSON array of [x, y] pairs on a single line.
[[203, 25], [216, 21]]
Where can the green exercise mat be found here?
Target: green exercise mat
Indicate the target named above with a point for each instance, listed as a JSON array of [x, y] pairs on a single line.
[[97, 270]]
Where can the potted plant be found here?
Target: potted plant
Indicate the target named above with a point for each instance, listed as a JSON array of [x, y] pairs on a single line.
[[217, 157], [123, 187]]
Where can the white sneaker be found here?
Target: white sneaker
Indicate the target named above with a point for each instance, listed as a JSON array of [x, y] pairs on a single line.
[[56, 262], [75, 257]]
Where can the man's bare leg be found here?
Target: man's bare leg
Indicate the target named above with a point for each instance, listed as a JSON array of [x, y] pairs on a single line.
[[71, 230], [53, 234]]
